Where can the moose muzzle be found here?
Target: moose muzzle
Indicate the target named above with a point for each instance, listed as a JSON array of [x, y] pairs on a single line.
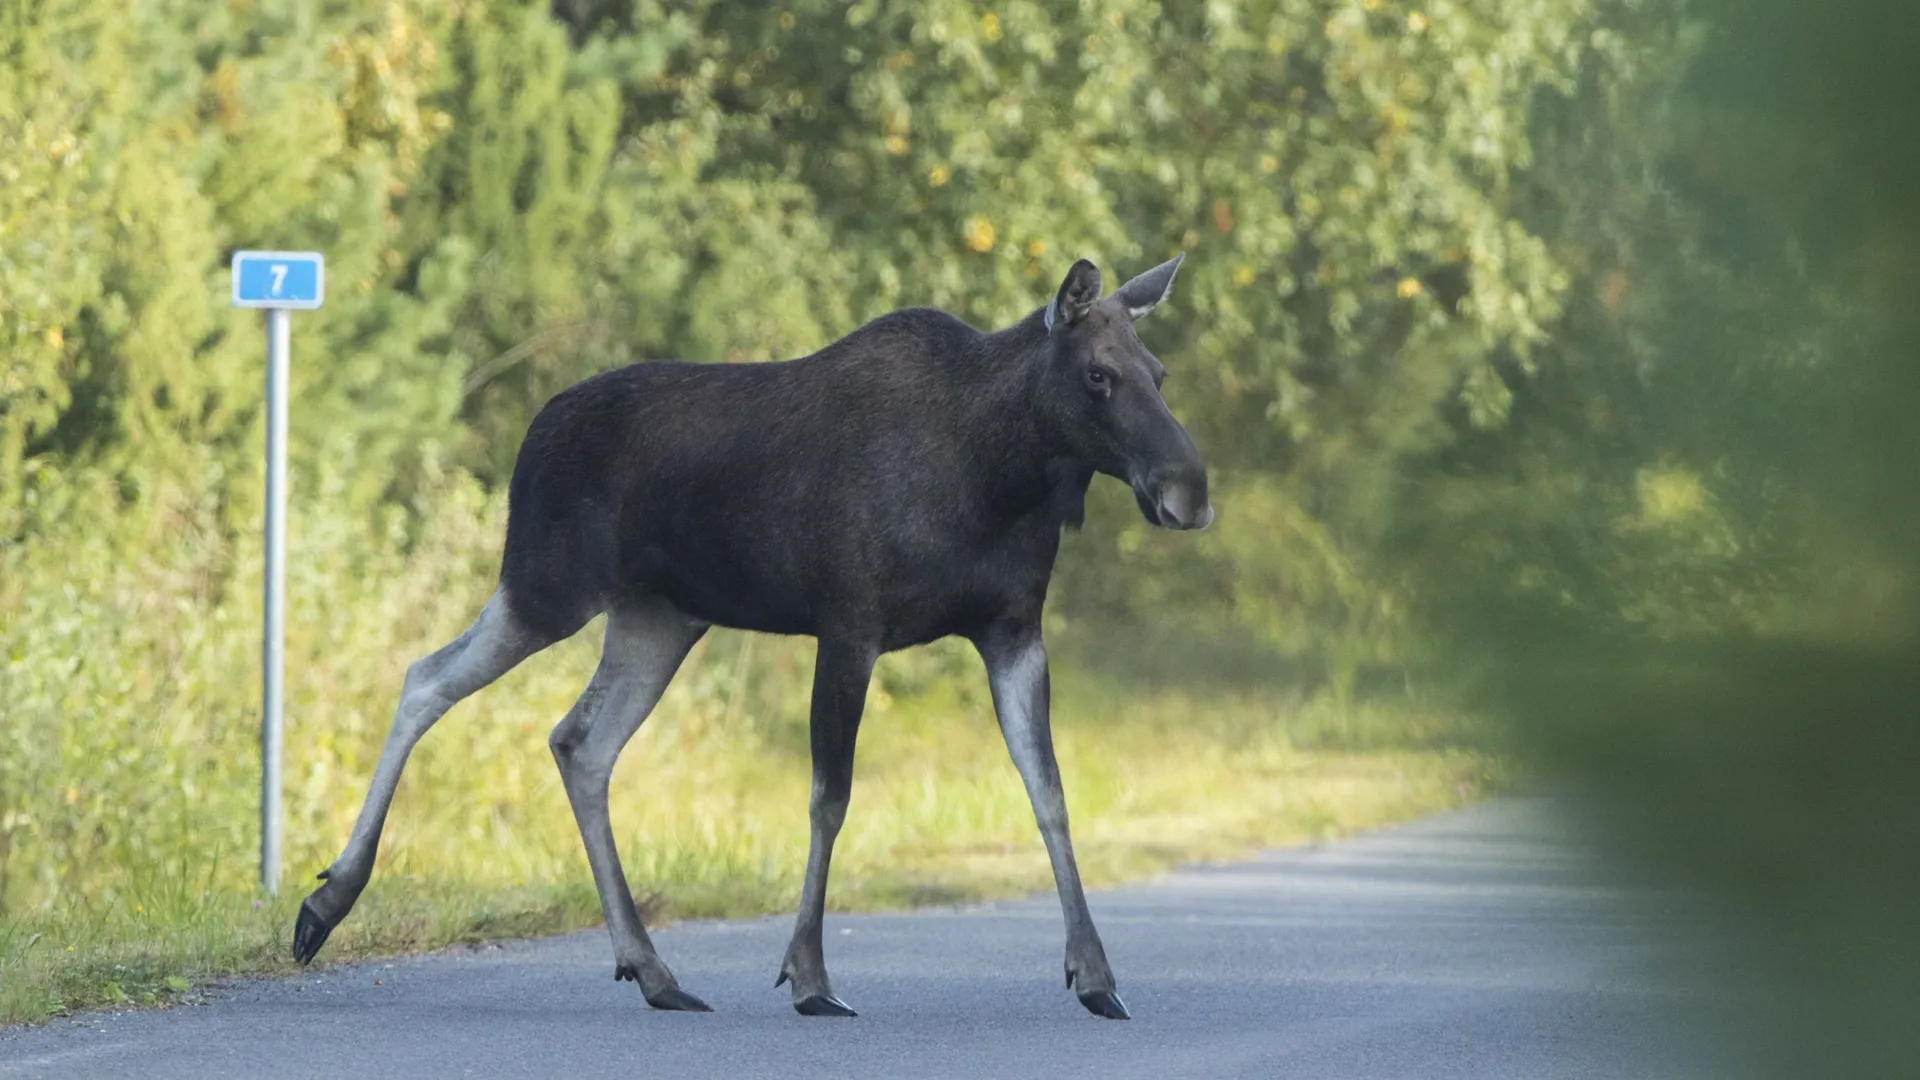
[[1176, 501]]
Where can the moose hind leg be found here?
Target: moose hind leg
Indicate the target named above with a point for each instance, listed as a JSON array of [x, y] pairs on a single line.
[[645, 645], [495, 642], [840, 679], [1017, 672]]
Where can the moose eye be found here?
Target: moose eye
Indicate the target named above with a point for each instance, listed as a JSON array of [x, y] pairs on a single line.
[[1097, 380]]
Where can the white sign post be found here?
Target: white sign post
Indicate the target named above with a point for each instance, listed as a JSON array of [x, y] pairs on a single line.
[[280, 282]]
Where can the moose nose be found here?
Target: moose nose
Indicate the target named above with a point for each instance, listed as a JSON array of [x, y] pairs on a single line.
[[1182, 507]]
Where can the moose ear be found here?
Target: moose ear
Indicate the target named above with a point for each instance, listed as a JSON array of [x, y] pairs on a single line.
[[1145, 292], [1076, 296]]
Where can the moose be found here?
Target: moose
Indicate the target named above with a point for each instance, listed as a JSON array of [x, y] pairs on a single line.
[[907, 483]]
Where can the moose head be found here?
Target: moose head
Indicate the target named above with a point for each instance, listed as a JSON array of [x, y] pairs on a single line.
[[1100, 395]]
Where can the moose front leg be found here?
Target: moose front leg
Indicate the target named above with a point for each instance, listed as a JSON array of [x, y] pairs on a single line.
[[842, 670], [1016, 661]]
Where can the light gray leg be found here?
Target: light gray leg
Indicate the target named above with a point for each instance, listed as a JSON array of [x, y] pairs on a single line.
[[1017, 671], [489, 649], [841, 673], [645, 645]]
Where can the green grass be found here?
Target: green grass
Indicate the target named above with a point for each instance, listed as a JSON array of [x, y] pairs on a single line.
[[710, 810]]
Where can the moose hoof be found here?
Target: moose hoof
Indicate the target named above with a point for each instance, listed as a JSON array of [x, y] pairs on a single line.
[[674, 999], [309, 933], [1105, 1003], [823, 1005], [669, 998]]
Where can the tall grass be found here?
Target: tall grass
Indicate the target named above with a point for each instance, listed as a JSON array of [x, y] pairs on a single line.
[[129, 770]]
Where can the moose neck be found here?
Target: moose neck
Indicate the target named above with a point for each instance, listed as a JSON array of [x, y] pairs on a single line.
[[1029, 469]]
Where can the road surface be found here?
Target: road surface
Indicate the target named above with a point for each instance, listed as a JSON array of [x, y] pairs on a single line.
[[1475, 944]]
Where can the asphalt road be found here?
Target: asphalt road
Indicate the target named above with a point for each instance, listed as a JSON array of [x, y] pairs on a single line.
[[1476, 944]]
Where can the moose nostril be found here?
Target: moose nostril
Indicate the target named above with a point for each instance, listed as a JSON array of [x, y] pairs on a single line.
[[1174, 508]]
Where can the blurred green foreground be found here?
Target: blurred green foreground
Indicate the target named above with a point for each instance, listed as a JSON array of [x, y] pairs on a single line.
[[1555, 359]]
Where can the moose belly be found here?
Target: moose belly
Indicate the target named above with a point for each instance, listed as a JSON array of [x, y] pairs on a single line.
[[902, 603], [712, 586]]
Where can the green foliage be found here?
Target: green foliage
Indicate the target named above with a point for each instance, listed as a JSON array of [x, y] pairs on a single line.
[[1763, 296], [510, 201]]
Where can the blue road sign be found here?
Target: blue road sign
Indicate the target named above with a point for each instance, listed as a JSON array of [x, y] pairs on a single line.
[[278, 279]]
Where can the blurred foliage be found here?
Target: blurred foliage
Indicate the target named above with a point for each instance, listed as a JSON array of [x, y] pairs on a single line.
[[1749, 725], [1538, 346]]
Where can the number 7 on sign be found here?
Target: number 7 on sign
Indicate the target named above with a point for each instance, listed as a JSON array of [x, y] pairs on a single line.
[[276, 279]]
